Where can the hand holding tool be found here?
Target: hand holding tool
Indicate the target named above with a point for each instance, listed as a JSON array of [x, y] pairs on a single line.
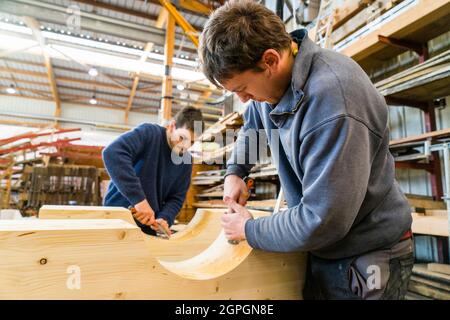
[[249, 183], [156, 224]]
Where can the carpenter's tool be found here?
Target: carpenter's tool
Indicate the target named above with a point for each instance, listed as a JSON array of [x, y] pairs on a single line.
[[161, 229], [249, 183]]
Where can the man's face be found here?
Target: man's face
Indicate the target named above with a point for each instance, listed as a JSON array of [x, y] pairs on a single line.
[[180, 139], [251, 85]]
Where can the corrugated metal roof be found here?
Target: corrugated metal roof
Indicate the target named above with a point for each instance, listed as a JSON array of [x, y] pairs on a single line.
[[24, 67], [28, 57], [137, 5], [73, 70], [39, 87]]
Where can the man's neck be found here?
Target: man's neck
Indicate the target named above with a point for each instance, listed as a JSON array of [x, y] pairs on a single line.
[[285, 80], [169, 142]]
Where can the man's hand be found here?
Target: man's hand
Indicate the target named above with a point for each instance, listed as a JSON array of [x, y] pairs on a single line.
[[235, 190], [145, 213], [163, 223], [234, 223]]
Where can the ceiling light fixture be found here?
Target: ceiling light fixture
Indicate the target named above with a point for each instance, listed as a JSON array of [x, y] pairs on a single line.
[[93, 72], [93, 100], [11, 89]]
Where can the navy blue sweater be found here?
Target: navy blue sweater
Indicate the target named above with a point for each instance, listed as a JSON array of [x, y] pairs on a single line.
[[140, 165]]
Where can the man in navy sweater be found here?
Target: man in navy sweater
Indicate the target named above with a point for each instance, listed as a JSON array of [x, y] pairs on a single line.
[[150, 169]]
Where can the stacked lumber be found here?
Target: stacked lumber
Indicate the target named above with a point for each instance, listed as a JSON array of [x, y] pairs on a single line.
[[424, 82], [61, 185], [233, 121], [429, 282], [421, 204], [410, 21], [263, 205], [218, 156], [432, 135], [431, 224], [209, 177], [18, 152], [263, 171], [212, 177], [213, 192], [78, 154]]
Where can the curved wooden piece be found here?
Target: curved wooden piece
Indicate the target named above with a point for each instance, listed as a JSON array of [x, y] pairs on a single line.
[[115, 262], [201, 231]]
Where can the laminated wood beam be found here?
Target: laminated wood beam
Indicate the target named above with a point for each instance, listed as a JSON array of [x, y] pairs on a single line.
[[111, 259]]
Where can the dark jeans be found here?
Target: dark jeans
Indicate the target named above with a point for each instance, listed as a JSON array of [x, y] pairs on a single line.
[[355, 279]]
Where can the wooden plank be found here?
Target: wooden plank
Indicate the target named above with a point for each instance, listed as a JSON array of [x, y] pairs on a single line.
[[431, 283], [421, 270], [436, 213], [348, 10], [115, 262], [85, 212], [426, 203], [413, 24], [439, 268], [422, 137], [428, 291], [430, 225], [415, 296], [360, 14]]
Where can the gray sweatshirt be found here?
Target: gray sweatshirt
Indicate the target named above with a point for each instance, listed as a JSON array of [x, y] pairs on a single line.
[[329, 139]]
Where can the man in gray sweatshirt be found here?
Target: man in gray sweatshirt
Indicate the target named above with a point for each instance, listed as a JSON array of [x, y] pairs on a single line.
[[327, 127]]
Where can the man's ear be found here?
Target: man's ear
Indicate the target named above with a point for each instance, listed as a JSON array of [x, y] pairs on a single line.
[[271, 59], [171, 126]]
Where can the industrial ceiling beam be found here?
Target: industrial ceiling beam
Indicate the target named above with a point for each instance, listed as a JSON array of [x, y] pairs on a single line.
[[195, 6], [120, 9], [192, 6], [181, 21], [9, 52], [161, 20], [33, 24], [167, 97], [147, 49]]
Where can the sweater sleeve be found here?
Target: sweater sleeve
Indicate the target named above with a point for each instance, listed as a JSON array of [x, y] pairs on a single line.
[[336, 158], [121, 155], [172, 205]]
